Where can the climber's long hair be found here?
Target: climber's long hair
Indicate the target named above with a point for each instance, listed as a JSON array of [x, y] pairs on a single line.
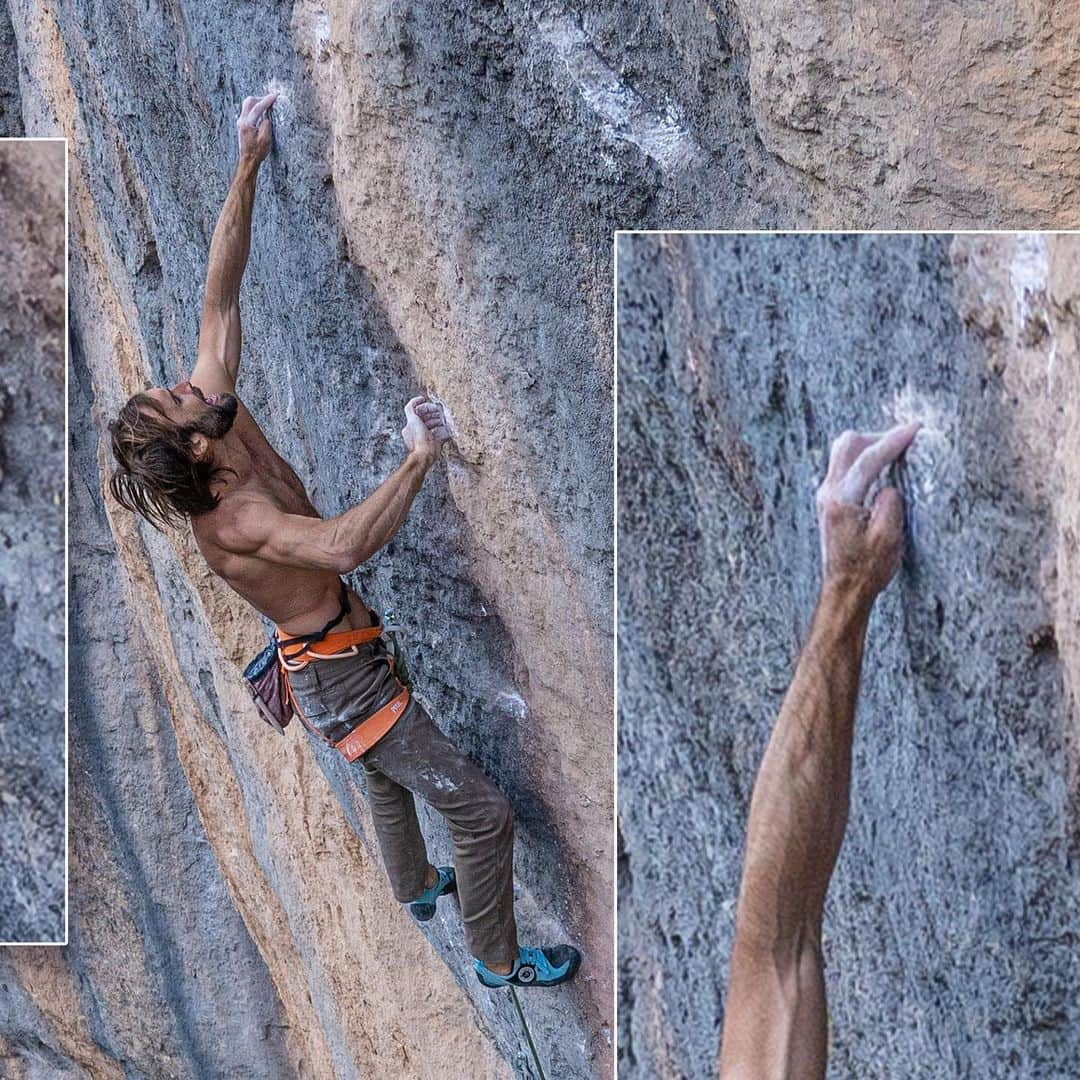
[[156, 475]]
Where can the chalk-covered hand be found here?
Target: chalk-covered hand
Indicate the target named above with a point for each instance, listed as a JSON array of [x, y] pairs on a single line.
[[861, 546], [254, 128], [425, 429]]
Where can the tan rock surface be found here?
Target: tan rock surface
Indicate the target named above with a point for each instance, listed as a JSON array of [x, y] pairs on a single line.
[[927, 115]]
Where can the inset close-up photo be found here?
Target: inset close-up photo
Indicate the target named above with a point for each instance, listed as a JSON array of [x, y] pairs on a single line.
[[849, 654], [33, 781]]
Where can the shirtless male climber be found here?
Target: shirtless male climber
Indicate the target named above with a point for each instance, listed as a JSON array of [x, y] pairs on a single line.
[[194, 452], [775, 1023]]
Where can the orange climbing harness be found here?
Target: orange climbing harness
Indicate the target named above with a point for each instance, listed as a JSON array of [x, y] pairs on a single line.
[[268, 678], [340, 647], [296, 653]]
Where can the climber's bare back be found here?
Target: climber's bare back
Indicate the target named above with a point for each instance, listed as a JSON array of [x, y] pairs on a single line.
[[299, 600]]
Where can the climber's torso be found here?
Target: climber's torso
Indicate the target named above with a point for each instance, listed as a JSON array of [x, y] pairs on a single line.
[[298, 600]]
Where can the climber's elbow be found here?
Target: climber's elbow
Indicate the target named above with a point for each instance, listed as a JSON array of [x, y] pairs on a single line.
[[350, 557], [343, 563], [346, 560]]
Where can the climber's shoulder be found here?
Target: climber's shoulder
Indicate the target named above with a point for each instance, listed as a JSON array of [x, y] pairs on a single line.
[[238, 525]]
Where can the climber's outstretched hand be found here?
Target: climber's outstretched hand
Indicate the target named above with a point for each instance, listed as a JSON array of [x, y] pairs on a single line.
[[254, 128], [425, 429], [861, 545]]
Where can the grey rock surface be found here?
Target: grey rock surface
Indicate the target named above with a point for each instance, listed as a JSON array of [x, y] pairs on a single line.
[[952, 921], [32, 783], [11, 122]]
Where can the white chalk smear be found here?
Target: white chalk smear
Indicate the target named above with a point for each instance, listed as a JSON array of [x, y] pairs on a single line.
[[512, 703], [448, 417], [658, 135], [1029, 272], [931, 457], [311, 27], [1029, 276], [933, 464], [283, 112], [437, 781], [290, 397], [322, 34]]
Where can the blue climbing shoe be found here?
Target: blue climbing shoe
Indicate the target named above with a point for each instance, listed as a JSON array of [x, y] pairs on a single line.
[[422, 908], [535, 967]]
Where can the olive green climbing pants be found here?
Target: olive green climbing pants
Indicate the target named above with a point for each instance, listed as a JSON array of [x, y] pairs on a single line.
[[415, 757]]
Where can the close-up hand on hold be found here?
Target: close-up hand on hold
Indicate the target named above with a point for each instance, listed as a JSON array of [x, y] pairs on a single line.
[[848, 660], [861, 545]]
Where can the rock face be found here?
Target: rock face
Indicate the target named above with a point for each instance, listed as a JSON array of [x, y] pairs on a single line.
[[32, 532], [922, 114], [438, 214], [229, 912], [953, 907], [11, 125]]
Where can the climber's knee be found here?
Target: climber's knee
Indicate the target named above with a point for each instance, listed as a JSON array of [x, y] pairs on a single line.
[[498, 814]]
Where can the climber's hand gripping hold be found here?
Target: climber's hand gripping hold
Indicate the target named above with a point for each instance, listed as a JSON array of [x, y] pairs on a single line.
[[860, 545], [254, 128], [425, 428]]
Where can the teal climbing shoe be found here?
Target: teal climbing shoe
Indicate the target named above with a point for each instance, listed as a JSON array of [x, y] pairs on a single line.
[[422, 908], [535, 967]]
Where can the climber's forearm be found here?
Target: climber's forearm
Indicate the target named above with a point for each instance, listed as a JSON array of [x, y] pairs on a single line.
[[219, 330], [231, 242], [353, 537], [800, 802], [775, 1022], [775, 1019]]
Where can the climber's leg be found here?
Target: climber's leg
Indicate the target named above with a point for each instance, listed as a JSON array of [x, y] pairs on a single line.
[[401, 842], [417, 756], [333, 696]]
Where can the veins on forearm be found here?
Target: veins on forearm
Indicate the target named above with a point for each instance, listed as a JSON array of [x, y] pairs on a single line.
[[799, 807], [231, 241], [365, 528]]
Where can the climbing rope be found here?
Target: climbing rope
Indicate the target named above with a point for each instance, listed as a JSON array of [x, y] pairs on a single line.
[[528, 1033]]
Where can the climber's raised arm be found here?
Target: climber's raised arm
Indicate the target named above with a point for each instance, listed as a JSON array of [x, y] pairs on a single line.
[[218, 360], [775, 1022]]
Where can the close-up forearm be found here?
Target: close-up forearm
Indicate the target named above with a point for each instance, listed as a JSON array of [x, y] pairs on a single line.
[[231, 241], [800, 800], [354, 536]]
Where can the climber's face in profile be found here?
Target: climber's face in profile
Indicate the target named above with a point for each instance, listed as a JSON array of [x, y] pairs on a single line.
[[186, 407], [164, 444]]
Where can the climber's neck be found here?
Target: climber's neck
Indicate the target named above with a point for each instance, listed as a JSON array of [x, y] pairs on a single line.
[[234, 460]]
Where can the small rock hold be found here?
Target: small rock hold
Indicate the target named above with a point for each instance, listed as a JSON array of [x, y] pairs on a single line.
[[1042, 639]]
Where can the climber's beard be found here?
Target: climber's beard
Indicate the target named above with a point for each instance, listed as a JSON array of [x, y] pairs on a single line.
[[219, 415]]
